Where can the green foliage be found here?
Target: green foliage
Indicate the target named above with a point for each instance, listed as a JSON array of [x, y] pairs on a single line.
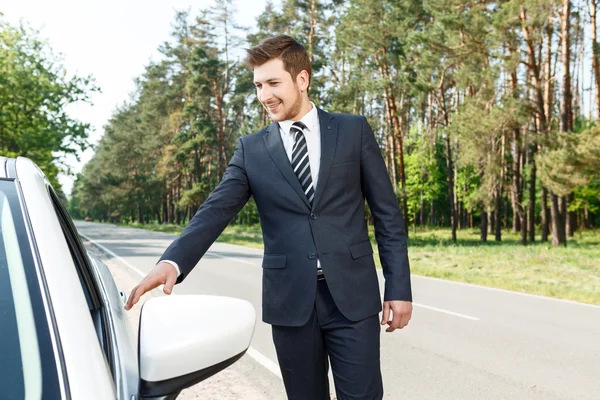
[[425, 176], [34, 95], [570, 160]]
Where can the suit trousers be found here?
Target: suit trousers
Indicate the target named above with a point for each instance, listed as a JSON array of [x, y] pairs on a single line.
[[352, 348]]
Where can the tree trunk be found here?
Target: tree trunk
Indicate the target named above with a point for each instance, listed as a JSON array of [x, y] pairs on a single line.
[[394, 168], [312, 22], [177, 197], [449, 166], [498, 216], [395, 119], [595, 54], [558, 224], [532, 192], [548, 100], [165, 209], [545, 219], [557, 208], [571, 216], [391, 159], [221, 157], [517, 187], [548, 87], [566, 113], [451, 187], [483, 227]]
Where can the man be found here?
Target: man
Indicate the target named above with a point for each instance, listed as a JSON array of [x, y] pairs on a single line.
[[309, 172]]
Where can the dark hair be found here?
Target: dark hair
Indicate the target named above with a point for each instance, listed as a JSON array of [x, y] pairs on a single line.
[[287, 49]]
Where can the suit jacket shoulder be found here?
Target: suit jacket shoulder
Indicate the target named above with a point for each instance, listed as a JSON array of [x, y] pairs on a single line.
[[346, 117], [257, 135]]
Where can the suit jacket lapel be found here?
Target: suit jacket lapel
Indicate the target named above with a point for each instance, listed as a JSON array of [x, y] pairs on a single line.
[[329, 133], [277, 151]]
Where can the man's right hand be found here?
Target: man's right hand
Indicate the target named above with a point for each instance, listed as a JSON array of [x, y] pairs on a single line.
[[162, 274]]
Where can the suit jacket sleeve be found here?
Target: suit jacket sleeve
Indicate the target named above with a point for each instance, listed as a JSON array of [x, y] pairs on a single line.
[[212, 217], [389, 225]]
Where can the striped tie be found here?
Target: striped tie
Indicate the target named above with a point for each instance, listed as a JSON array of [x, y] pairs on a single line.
[[300, 162]]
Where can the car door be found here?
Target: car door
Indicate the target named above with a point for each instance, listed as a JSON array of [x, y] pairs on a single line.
[[109, 317]]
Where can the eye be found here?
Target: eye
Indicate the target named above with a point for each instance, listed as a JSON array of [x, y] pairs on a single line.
[[258, 86]]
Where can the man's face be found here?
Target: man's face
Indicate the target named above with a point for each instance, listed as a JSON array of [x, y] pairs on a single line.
[[279, 94]]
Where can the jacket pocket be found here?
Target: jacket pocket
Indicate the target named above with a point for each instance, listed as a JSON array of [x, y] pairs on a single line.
[[274, 261], [361, 249], [344, 162]]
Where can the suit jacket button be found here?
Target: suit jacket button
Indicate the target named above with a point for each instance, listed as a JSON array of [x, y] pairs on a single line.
[[313, 216], [312, 256]]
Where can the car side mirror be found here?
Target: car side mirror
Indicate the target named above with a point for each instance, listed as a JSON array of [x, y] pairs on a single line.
[[185, 339]]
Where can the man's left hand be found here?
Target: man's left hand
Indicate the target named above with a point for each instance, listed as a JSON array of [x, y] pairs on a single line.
[[401, 311]]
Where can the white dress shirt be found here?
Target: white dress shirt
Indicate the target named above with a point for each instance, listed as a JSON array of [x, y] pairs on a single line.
[[312, 134]]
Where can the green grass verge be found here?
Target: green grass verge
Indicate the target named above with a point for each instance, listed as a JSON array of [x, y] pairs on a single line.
[[568, 273]]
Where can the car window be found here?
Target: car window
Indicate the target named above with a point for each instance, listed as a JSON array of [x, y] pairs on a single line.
[[88, 281], [27, 352]]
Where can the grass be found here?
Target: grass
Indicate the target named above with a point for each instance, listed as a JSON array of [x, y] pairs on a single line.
[[568, 273], [571, 272]]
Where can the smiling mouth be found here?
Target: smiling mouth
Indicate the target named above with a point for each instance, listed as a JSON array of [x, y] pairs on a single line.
[[272, 107]]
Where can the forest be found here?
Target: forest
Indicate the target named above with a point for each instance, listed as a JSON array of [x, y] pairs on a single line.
[[485, 111]]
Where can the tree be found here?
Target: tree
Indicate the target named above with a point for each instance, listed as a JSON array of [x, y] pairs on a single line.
[[34, 95]]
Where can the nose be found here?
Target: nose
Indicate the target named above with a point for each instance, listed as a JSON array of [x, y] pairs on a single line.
[[264, 94]]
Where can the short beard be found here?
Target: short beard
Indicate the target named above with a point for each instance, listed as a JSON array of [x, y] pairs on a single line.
[[294, 109]]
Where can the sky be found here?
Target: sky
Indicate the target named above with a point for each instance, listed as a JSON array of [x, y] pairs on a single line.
[[110, 39]]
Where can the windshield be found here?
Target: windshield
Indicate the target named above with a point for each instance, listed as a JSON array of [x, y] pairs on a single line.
[[23, 375]]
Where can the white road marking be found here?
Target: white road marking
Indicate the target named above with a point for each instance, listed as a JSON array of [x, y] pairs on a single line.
[[134, 269], [264, 361], [447, 312], [252, 352]]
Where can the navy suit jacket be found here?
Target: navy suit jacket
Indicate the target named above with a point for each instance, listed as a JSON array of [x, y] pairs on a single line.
[[295, 234]]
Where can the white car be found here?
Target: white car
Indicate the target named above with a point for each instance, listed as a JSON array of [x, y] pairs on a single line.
[[63, 331]]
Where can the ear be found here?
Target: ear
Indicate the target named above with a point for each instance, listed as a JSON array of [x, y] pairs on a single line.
[[303, 80]]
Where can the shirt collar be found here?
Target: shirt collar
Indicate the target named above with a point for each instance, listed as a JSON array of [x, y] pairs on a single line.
[[309, 119]]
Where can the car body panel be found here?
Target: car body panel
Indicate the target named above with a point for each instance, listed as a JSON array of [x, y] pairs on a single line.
[[87, 369]]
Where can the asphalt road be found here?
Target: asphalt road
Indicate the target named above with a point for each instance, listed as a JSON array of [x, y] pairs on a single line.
[[463, 342]]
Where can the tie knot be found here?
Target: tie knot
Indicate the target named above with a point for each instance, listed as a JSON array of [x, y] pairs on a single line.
[[299, 125]]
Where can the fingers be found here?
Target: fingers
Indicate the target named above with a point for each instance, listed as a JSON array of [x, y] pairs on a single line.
[[132, 298], [398, 322], [171, 279], [400, 317], [386, 313], [166, 276]]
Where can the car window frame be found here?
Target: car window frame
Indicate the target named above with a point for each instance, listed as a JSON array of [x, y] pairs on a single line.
[[88, 280]]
